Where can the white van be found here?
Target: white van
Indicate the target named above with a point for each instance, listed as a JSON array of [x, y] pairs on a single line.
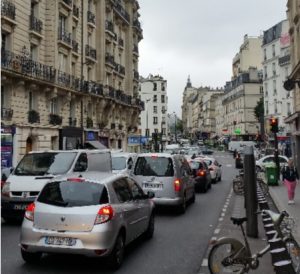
[[38, 167], [239, 145]]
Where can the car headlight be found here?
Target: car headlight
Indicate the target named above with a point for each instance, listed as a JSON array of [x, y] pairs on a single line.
[[6, 189]]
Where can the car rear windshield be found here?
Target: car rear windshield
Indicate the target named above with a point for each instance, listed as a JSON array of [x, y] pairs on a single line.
[[154, 166], [196, 165], [71, 194], [208, 162], [53, 163], [118, 163]]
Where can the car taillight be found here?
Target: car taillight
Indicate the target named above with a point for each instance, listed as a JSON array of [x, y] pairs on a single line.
[[201, 173], [177, 185], [104, 215], [76, 180], [29, 212]]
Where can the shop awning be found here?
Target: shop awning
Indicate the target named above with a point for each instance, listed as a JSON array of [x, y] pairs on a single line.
[[292, 117], [95, 145]]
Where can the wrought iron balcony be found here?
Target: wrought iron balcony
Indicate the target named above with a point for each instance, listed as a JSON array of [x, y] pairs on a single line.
[[8, 9], [23, 65], [75, 11], [72, 122], [92, 87], [68, 2], [121, 42], [90, 52], [109, 26], [284, 60], [110, 59], [91, 18], [55, 119], [64, 36], [122, 12], [136, 75], [6, 113], [35, 24], [75, 46], [33, 116], [63, 79], [135, 49], [137, 24]]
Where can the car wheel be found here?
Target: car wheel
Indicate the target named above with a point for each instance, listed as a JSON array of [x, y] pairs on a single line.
[[9, 220], [116, 257], [150, 229], [220, 178], [182, 207], [31, 258], [214, 181]]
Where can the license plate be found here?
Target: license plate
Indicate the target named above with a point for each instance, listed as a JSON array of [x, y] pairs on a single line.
[[52, 240], [154, 186], [20, 206]]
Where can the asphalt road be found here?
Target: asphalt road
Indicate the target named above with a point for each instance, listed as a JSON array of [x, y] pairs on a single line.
[[178, 245]]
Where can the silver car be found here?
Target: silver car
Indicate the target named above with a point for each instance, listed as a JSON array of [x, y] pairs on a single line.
[[122, 162], [95, 214], [168, 176]]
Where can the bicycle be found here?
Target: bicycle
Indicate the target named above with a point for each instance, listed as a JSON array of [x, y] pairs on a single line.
[[238, 185], [229, 255]]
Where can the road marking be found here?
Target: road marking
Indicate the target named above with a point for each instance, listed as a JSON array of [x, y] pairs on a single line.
[[222, 214], [217, 231], [221, 219], [204, 262]]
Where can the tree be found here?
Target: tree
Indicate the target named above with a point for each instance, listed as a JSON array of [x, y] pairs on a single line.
[[259, 109]]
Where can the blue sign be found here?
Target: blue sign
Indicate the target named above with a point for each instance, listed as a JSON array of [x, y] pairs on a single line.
[[90, 136], [137, 140]]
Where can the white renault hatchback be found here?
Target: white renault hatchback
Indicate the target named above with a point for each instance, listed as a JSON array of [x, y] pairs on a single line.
[[95, 214]]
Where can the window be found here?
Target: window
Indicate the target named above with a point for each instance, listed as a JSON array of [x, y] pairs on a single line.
[[62, 59], [155, 120], [275, 106], [62, 23], [155, 98], [266, 72], [154, 86], [72, 194], [154, 109], [89, 5], [3, 41], [163, 98], [33, 52], [136, 191], [273, 51], [274, 69], [3, 100], [163, 109], [122, 190], [30, 100], [53, 106], [274, 88], [147, 132], [82, 163], [266, 89], [265, 54], [162, 86], [33, 8]]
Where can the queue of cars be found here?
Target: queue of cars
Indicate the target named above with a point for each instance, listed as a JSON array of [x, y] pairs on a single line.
[[95, 202]]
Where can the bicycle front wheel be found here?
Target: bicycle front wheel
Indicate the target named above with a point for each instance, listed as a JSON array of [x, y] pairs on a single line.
[[294, 252], [221, 260]]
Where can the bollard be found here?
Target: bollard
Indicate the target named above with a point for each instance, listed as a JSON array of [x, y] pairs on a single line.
[[250, 192]]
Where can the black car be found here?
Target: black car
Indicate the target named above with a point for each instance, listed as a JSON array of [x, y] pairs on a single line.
[[201, 175]]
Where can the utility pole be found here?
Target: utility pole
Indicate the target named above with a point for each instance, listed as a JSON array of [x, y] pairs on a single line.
[[175, 128]]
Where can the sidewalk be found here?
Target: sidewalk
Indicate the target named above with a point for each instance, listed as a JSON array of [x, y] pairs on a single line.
[[280, 198]]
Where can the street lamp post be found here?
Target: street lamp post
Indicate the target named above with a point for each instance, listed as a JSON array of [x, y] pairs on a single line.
[[175, 128]]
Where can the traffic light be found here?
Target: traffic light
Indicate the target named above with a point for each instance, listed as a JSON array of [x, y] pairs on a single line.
[[274, 125]]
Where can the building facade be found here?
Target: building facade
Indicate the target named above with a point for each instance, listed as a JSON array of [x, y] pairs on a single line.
[[69, 73], [278, 102], [154, 118], [293, 14]]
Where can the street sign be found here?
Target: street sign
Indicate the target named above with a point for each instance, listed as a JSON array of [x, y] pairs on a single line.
[[237, 131]]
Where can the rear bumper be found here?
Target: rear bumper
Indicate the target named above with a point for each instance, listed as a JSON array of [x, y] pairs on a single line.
[[165, 201], [102, 237]]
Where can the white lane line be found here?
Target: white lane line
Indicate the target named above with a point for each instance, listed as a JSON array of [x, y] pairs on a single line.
[[204, 262], [229, 165], [217, 231], [223, 214], [221, 219]]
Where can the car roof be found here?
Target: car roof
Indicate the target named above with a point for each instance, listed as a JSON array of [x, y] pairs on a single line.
[[70, 151], [157, 154], [123, 154], [94, 176]]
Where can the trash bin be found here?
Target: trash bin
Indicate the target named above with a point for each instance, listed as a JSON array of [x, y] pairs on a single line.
[[271, 174]]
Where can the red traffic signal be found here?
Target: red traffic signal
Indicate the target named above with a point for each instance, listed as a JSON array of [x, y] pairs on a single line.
[[274, 124]]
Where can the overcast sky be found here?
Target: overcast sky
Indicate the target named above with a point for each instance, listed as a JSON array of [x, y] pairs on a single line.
[[199, 38]]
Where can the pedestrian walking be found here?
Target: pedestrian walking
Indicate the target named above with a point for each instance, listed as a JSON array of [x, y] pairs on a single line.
[[290, 178]]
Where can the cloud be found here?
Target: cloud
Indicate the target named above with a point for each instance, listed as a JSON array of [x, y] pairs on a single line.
[[199, 38]]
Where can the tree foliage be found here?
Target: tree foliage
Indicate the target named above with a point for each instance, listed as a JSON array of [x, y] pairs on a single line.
[[259, 109]]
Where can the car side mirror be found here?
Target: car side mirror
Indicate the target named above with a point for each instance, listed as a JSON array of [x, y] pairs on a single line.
[[150, 194]]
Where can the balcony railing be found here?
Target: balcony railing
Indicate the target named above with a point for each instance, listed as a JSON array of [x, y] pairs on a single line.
[[8, 9], [137, 24], [109, 26], [75, 46], [92, 87], [75, 11], [284, 60], [55, 119], [64, 36], [119, 69], [90, 52], [33, 116], [136, 75], [121, 42], [122, 12], [63, 79], [91, 18], [68, 2], [135, 49], [110, 59], [35, 24], [6, 113]]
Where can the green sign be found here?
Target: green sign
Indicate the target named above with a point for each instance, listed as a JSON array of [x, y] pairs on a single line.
[[237, 131]]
